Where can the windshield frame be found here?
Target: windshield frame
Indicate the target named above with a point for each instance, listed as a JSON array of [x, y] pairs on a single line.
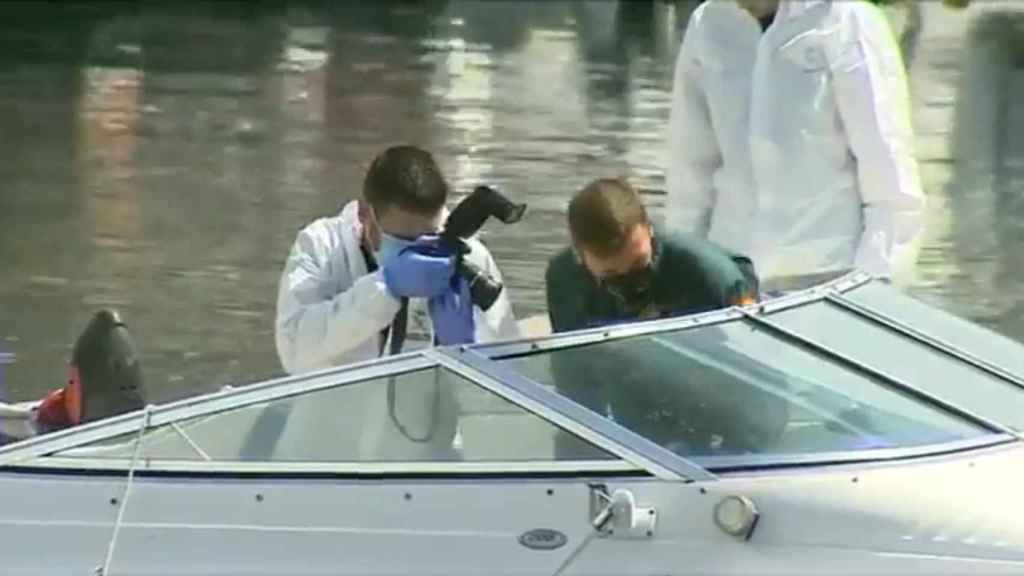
[[479, 364], [759, 462], [525, 346], [638, 452], [760, 313], [936, 343]]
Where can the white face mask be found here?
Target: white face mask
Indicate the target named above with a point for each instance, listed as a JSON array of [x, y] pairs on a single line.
[[390, 248]]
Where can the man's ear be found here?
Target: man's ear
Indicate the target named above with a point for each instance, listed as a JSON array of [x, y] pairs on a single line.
[[368, 224]]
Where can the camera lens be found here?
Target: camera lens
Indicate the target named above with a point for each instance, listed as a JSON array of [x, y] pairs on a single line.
[[485, 292], [483, 289]]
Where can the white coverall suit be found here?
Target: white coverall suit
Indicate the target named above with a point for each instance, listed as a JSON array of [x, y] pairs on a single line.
[[794, 145], [331, 311]]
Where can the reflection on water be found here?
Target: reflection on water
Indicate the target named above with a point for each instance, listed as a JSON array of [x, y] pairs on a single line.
[[973, 166], [160, 158]]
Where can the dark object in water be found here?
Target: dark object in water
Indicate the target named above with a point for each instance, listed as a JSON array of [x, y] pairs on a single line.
[[107, 363]]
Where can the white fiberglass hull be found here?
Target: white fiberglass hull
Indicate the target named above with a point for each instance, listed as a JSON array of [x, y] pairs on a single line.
[[889, 519]]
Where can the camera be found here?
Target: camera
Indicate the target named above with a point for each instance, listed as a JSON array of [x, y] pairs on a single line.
[[466, 220]]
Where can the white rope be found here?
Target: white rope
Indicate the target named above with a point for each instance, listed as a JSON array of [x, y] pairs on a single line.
[[575, 553], [597, 524], [105, 571]]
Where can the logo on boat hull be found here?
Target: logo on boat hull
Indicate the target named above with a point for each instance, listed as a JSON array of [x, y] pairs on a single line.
[[543, 539]]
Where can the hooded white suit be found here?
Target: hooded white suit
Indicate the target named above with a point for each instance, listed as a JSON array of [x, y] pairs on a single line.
[[794, 145], [331, 310]]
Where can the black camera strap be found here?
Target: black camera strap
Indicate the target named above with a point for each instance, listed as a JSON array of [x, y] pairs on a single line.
[[399, 325], [398, 328]]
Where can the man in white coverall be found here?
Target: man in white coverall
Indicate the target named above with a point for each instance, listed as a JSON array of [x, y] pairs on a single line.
[[370, 282], [790, 139], [344, 281]]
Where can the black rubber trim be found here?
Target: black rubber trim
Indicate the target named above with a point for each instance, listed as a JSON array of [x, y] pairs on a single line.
[[255, 475]]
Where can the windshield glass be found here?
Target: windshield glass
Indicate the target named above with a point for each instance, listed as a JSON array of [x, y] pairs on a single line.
[[734, 390], [975, 339], [430, 415], [900, 356]]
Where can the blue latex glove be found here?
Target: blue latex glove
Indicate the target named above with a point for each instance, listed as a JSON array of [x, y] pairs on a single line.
[[452, 314], [422, 270]]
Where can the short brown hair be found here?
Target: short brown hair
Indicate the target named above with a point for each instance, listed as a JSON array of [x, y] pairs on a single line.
[[603, 214], [406, 177]]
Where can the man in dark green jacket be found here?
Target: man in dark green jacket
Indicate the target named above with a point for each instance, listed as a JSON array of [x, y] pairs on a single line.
[[620, 269]]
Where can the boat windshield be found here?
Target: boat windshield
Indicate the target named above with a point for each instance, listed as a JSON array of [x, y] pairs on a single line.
[[428, 415], [941, 374], [733, 390], [975, 339]]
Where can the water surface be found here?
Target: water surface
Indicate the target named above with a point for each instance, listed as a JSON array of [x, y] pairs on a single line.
[[160, 159]]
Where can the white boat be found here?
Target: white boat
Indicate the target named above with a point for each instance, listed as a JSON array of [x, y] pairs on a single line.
[[849, 429]]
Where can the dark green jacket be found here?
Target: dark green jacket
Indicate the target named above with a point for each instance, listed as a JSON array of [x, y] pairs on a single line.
[[690, 276]]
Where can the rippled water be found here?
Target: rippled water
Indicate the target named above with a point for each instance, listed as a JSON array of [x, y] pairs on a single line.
[[161, 159]]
